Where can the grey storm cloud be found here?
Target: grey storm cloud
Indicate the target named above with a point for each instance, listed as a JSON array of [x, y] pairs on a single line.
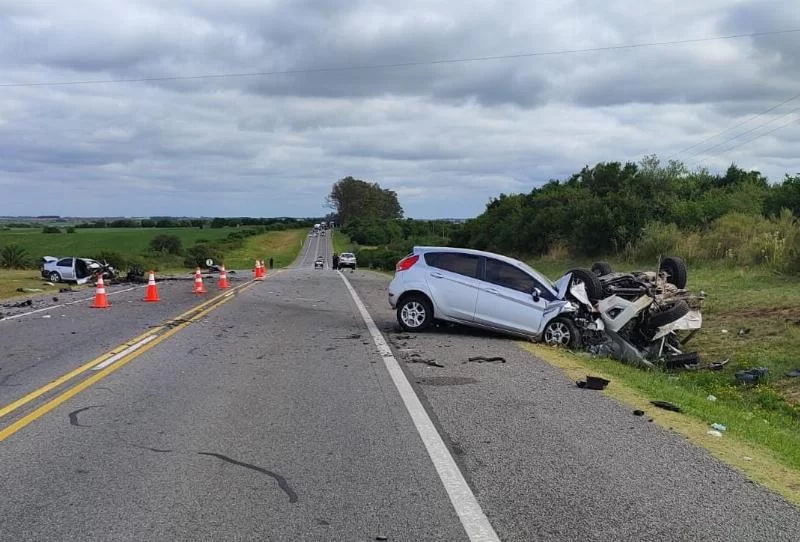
[[273, 144]]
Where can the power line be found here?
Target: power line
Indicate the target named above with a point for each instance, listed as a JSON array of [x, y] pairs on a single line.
[[401, 64], [768, 132], [737, 136], [754, 117]]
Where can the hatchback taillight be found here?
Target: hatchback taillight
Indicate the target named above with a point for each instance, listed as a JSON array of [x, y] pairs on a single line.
[[407, 263]]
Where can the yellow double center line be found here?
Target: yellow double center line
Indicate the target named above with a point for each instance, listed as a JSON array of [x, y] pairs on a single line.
[[176, 324]]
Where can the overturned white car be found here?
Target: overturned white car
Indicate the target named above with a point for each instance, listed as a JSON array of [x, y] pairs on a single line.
[[637, 317]]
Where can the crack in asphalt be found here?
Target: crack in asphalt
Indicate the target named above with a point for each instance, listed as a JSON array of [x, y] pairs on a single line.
[[157, 450], [9, 376], [282, 483], [73, 416]]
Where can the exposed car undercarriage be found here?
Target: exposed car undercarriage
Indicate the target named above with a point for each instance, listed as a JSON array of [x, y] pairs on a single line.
[[642, 318]]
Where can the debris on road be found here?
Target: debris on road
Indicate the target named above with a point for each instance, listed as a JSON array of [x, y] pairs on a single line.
[[714, 433], [666, 406], [719, 427], [21, 304], [744, 331], [481, 359], [593, 383], [638, 412]]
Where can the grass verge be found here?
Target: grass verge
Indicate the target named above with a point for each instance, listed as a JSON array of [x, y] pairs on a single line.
[[282, 246], [11, 280], [758, 444], [341, 242], [751, 318]]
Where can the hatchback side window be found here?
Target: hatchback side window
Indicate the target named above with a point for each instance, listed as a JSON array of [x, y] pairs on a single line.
[[462, 264], [508, 276], [66, 262]]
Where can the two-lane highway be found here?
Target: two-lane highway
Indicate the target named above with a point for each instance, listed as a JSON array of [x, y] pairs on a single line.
[[280, 413]]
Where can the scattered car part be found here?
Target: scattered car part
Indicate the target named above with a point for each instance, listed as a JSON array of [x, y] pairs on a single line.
[[666, 406], [794, 373], [751, 376], [481, 359]]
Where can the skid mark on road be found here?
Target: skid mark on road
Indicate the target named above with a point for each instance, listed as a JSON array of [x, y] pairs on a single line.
[[73, 416], [282, 483]]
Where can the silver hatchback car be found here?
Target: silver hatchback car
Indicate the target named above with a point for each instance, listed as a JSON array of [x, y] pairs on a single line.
[[481, 289]]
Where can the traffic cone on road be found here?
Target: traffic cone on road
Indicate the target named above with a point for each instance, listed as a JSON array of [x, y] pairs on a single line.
[[199, 288], [263, 269], [152, 290], [100, 297], [259, 271], [223, 278]]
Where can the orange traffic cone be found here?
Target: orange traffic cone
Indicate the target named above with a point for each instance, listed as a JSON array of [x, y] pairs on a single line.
[[100, 297], [223, 278], [199, 288], [263, 269], [152, 290], [259, 270]]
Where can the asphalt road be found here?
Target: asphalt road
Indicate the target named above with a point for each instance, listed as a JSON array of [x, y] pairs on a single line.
[[273, 417]]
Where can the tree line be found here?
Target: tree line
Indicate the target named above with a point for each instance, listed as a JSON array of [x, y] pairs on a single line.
[[635, 211]]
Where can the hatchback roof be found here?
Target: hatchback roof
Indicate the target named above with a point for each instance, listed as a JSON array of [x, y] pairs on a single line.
[[485, 254]]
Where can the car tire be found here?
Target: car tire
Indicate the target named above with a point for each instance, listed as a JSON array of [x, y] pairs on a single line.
[[562, 332], [590, 281], [676, 311], [54, 276], [415, 313], [602, 269], [676, 271]]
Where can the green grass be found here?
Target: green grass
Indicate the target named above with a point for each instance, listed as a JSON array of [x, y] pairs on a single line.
[[10, 280], [88, 242], [281, 246], [768, 305]]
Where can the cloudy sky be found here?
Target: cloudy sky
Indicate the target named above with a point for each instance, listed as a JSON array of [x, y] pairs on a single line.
[[446, 136]]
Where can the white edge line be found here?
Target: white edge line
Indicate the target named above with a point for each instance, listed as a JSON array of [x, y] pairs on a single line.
[[120, 355], [15, 316], [472, 517]]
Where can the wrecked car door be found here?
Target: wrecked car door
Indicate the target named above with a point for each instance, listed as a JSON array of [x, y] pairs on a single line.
[[66, 268], [453, 281], [506, 299]]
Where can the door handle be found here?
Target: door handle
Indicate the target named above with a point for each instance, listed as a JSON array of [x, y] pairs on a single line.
[[493, 291], [437, 275]]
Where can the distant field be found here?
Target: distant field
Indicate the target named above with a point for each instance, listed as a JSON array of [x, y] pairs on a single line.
[[87, 242]]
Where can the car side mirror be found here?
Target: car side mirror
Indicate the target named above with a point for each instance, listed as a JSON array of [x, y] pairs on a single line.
[[536, 294]]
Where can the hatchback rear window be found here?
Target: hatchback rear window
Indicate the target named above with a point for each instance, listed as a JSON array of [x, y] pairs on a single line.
[[462, 264]]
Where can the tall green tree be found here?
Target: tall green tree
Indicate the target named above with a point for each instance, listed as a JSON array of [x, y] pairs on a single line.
[[354, 199]]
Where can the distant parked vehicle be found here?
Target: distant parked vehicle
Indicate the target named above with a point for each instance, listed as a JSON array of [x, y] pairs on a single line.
[[77, 270], [347, 259], [319, 263]]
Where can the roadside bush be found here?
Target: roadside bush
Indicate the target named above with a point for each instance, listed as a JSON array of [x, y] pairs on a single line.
[[657, 240], [71, 229], [51, 229], [199, 253], [115, 259], [166, 244], [14, 257]]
